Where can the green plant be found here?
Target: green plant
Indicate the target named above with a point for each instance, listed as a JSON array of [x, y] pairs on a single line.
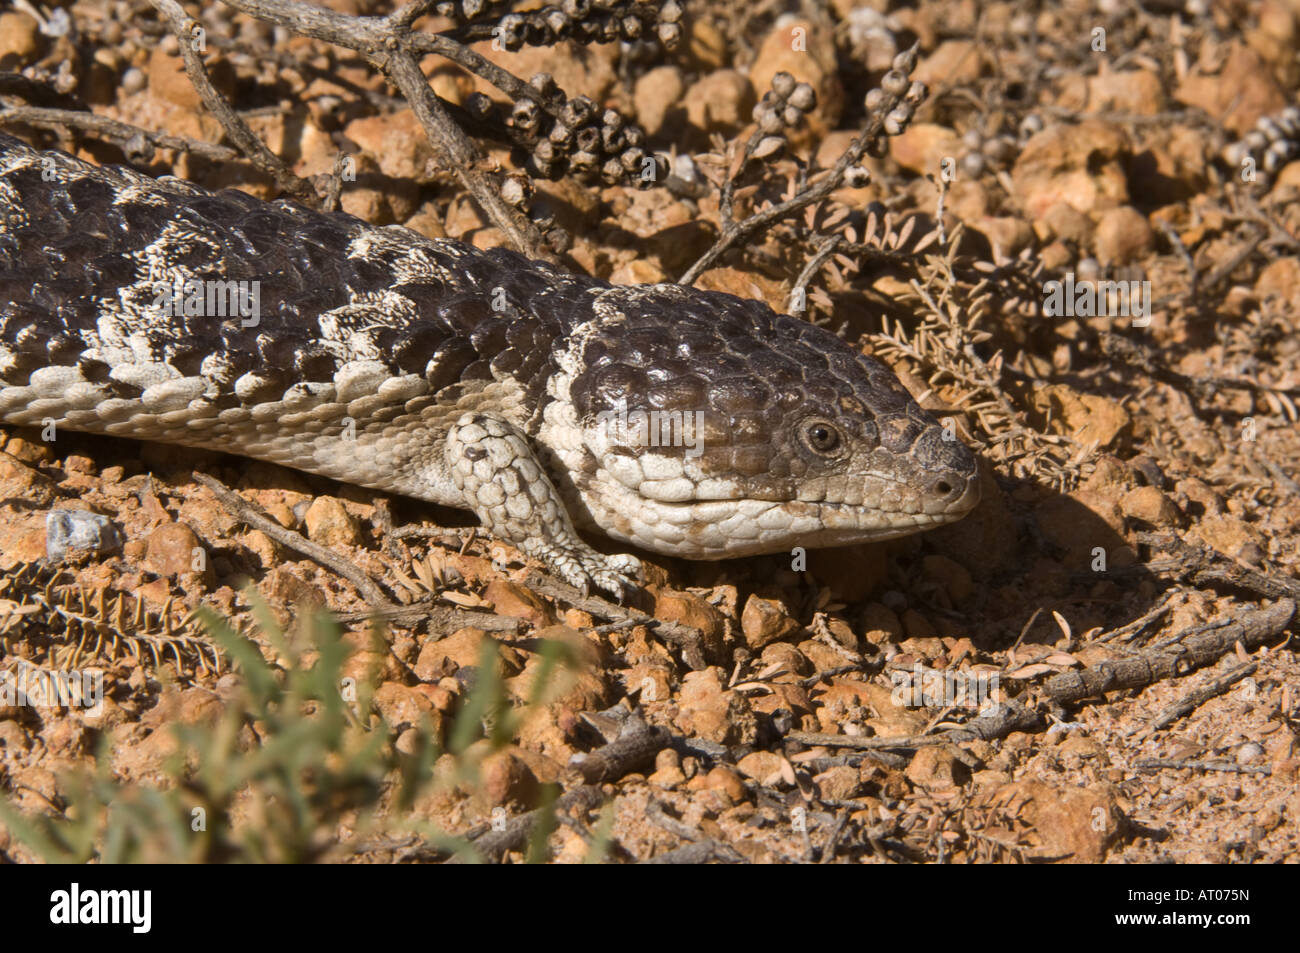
[[291, 759]]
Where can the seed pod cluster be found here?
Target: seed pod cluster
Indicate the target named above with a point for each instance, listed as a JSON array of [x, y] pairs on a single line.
[[784, 105], [586, 21], [1273, 143], [576, 135], [464, 11], [981, 151], [895, 100]]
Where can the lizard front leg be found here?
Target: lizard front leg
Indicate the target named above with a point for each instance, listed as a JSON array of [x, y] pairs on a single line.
[[494, 467]]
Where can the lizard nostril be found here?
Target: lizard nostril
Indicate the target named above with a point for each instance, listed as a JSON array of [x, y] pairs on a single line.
[[942, 487]]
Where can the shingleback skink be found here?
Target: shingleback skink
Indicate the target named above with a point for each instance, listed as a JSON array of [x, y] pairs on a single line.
[[684, 422]]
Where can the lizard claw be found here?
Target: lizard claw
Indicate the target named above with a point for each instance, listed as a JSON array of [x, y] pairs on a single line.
[[585, 569]]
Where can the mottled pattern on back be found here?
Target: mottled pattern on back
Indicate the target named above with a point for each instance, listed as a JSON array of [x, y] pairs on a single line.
[[86, 251]]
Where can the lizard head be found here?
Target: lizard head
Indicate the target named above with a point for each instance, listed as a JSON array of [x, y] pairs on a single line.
[[713, 427]]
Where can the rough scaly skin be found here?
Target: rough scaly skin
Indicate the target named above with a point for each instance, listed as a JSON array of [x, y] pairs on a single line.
[[474, 379]]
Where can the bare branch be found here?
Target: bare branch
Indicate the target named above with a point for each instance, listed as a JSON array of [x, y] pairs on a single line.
[[253, 147]]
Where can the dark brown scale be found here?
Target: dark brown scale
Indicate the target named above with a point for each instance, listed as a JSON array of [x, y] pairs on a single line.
[[75, 246], [617, 382], [480, 370], [506, 363], [411, 352], [465, 312], [449, 362], [83, 193], [29, 340], [136, 223], [123, 390], [187, 359], [275, 351], [261, 230], [489, 338], [94, 371], [21, 367], [681, 393], [369, 276], [271, 385], [110, 271], [63, 349], [312, 363]]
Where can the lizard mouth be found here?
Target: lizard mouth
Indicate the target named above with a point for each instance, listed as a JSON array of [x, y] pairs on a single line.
[[947, 496], [748, 525]]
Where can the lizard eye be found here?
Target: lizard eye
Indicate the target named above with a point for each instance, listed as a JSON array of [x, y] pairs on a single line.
[[821, 437]]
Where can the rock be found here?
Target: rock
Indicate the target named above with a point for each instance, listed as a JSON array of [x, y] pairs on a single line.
[[1242, 91], [638, 271], [1280, 278], [1087, 418], [788, 657], [720, 102], [21, 42], [1123, 236], [19, 481], [839, 783], [368, 661], [30, 452], [428, 222], [1286, 182], [879, 625], [283, 587], [691, 610], [658, 96], [852, 573], [68, 531], [262, 546], [330, 524], [956, 62], [709, 711], [1084, 165], [1137, 91], [954, 576], [744, 284], [1148, 504], [401, 706], [849, 701], [763, 767], [1063, 220], [580, 69], [511, 599], [918, 626], [583, 689], [651, 679], [190, 706], [765, 621], [169, 82], [397, 142], [1008, 234], [706, 47], [173, 550], [1081, 523], [668, 772], [1076, 825], [1231, 536], [936, 767], [506, 780], [821, 655], [723, 779], [439, 658], [923, 146]]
